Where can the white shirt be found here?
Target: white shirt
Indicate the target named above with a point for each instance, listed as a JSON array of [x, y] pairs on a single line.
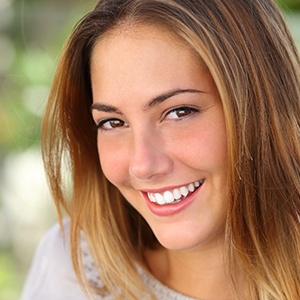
[[52, 276]]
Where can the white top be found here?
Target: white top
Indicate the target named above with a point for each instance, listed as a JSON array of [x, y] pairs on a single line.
[[52, 276]]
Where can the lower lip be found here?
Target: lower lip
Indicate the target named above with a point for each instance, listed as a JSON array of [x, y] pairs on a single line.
[[171, 209]]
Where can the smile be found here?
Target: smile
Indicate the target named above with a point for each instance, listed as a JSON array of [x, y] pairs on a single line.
[[176, 195]]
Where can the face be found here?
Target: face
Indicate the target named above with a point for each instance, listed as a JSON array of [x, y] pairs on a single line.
[[161, 134]]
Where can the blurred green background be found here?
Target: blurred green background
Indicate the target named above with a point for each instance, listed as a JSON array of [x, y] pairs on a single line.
[[32, 33]]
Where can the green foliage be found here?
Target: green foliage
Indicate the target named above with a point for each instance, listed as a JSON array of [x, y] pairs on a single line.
[[289, 5], [32, 33], [30, 41], [10, 281]]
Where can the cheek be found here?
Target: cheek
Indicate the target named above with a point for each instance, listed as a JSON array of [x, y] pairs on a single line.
[[215, 148], [203, 149], [215, 152], [114, 159]]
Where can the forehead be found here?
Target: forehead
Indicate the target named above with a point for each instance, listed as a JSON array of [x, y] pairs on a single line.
[[142, 32], [143, 61]]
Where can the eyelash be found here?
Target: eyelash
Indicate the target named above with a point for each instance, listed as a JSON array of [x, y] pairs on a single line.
[[102, 123], [187, 110]]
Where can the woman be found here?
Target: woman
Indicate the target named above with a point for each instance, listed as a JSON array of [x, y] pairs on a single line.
[[189, 187]]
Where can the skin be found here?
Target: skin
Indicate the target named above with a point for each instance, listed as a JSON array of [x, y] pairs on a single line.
[[151, 139]]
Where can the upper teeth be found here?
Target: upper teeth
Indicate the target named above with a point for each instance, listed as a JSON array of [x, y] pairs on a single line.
[[175, 195]]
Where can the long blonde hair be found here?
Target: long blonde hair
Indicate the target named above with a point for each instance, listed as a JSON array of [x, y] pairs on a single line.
[[249, 51]]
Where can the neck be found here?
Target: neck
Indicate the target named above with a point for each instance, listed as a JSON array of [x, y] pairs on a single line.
[[198, 273]]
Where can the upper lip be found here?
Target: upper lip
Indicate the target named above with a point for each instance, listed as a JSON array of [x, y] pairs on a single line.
[[168, 188]]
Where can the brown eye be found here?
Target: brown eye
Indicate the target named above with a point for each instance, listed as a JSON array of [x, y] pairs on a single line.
[[180, 112], [111, 124], [116, 123]]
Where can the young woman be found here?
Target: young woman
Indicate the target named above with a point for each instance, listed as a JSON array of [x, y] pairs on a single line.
[[178, 125]]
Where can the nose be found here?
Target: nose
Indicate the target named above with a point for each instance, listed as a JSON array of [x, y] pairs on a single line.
[[149, 158]]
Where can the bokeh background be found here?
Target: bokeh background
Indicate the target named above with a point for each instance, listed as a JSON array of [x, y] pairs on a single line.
[[32, 33]]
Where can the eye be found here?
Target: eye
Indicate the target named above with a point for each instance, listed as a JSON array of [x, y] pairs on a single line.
[[180, 112], [110, 124]]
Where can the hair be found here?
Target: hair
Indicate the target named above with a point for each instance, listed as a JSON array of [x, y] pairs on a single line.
[[255, 64]]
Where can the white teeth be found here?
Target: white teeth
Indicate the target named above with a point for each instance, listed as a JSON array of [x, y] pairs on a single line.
[[191, 187], [151, 197], [175, 195], [184, 191], [159, 198], [168, 196]]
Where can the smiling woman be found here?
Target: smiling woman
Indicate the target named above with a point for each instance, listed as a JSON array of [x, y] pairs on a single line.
[[189, 187], [165, 98]]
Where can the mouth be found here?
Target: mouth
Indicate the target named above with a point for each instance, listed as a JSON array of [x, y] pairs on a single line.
[[176, 195]]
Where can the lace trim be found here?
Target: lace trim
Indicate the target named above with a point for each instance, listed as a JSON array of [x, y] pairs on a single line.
[[91, 272]]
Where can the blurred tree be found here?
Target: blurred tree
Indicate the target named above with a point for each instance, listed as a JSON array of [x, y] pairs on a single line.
[[289, 5], [32, 33]]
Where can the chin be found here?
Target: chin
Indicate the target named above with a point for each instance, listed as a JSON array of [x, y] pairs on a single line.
[[185, 239]]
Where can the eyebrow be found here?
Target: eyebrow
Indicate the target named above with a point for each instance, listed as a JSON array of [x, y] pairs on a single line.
[[155, 101], [105, 108]]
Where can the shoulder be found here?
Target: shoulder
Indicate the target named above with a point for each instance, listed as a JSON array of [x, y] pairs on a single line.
[[52, 275]]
